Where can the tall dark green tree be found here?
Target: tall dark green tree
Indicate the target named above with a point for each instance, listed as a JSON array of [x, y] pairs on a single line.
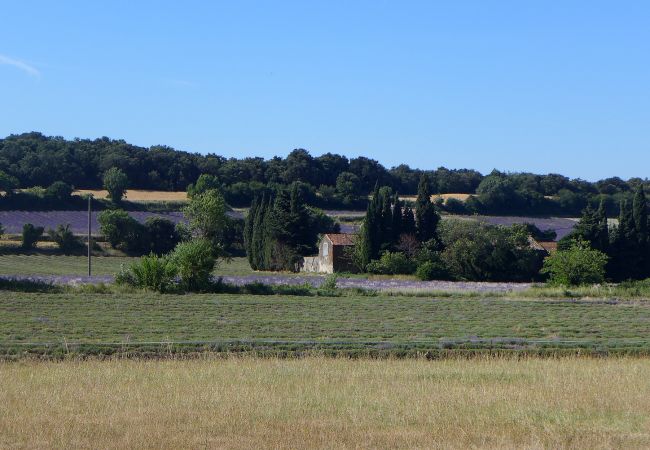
[[257, 240], [624, 248], [387, 236], [640, 214], [602, 240], [248, 230], [426, 216], [408, 221], [397, 218]]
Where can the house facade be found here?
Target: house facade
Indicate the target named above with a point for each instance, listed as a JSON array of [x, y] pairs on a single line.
[[333, 255]]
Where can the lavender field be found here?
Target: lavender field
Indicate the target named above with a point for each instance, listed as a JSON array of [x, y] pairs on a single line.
[[381, 285], [13, 221]]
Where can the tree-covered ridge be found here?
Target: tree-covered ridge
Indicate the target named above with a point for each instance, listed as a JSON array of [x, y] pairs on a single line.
[[32, 159]]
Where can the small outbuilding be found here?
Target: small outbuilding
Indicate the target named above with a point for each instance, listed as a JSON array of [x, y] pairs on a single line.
[[333, 255]]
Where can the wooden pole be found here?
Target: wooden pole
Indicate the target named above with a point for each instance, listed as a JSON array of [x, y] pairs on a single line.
[[90, 243]]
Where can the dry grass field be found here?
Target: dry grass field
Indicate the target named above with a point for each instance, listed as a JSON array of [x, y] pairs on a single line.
[[134, 195], [326, 403], [461, 197]]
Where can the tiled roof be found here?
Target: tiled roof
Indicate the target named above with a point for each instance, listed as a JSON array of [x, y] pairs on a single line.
[[549, 246], [341, 238]]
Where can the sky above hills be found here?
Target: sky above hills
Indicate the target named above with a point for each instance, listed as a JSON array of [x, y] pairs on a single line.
[[519, 86]]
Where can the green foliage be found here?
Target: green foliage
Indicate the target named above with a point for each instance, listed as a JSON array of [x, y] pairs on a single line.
[[455, 206], [161, 234], [123, 231], [206, 213], [479, 252], [31, 236], [8, 183], [279, 230], [579, 265], [392, 263], [426, 216], [59, 190], [150, 272], [115, 182], [206, 182], [329, 288], [65, 239], [195, 262], [348, 186], [433, 268]]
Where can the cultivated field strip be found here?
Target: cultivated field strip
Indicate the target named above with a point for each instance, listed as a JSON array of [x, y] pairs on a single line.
[[150, 323], [13, 221]]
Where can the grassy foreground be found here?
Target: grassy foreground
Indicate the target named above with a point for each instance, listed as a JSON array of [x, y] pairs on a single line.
[[57, 324], [319, 402]]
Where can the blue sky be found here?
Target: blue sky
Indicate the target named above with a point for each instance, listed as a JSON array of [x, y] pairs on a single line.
[[535, 86]]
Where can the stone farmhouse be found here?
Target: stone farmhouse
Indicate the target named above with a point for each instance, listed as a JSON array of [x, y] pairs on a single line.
[[333, 255]]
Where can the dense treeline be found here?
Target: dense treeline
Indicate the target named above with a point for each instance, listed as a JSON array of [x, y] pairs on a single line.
[[33, 159], [280, 229], [626, 244], [394, 240]]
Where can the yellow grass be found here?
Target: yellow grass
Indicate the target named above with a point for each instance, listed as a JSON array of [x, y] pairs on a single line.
[[461, 197], [136, 195], [310, 403]]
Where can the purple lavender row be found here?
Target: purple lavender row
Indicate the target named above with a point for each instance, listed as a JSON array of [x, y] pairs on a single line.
[[314, 281], [13, 221]]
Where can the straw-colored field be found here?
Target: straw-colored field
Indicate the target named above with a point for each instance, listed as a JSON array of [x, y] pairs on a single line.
[[316, 403], [461, 197], [135, 195]]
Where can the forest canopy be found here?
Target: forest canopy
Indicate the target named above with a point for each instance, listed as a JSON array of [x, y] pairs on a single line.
[[32, 159]]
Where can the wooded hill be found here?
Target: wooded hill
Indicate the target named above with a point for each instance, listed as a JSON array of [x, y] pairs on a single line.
[[329, 180]]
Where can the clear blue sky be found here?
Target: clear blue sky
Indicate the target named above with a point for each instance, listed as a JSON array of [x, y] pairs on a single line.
[[537, 86]]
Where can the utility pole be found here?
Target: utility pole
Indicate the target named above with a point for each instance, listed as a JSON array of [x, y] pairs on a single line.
[[90, 240]]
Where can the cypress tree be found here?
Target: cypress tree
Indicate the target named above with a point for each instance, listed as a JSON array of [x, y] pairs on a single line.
[[624, 245], [640, 214], [269, 233], [368, 233], [387, 237], [426, 217], [257, 241], [588, 227], [603, 228], [396, 223], [248, 230], [408, 221]]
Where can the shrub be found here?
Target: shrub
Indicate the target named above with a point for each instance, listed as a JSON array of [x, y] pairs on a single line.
[[123, 231], [115, 182], [65, 239], [455, 206], [391, 263], [432, 270], [576, 266], [479, 252], [195, 262], [31, 235], [150, 272], [162, 235], [59, 190]]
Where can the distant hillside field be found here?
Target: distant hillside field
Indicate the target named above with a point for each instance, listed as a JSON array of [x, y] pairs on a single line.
[[137, 195], [461, 197]]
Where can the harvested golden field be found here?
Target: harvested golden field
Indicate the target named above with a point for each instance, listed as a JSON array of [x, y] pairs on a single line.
[[135, 195], [314, 402], [461, 197]]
